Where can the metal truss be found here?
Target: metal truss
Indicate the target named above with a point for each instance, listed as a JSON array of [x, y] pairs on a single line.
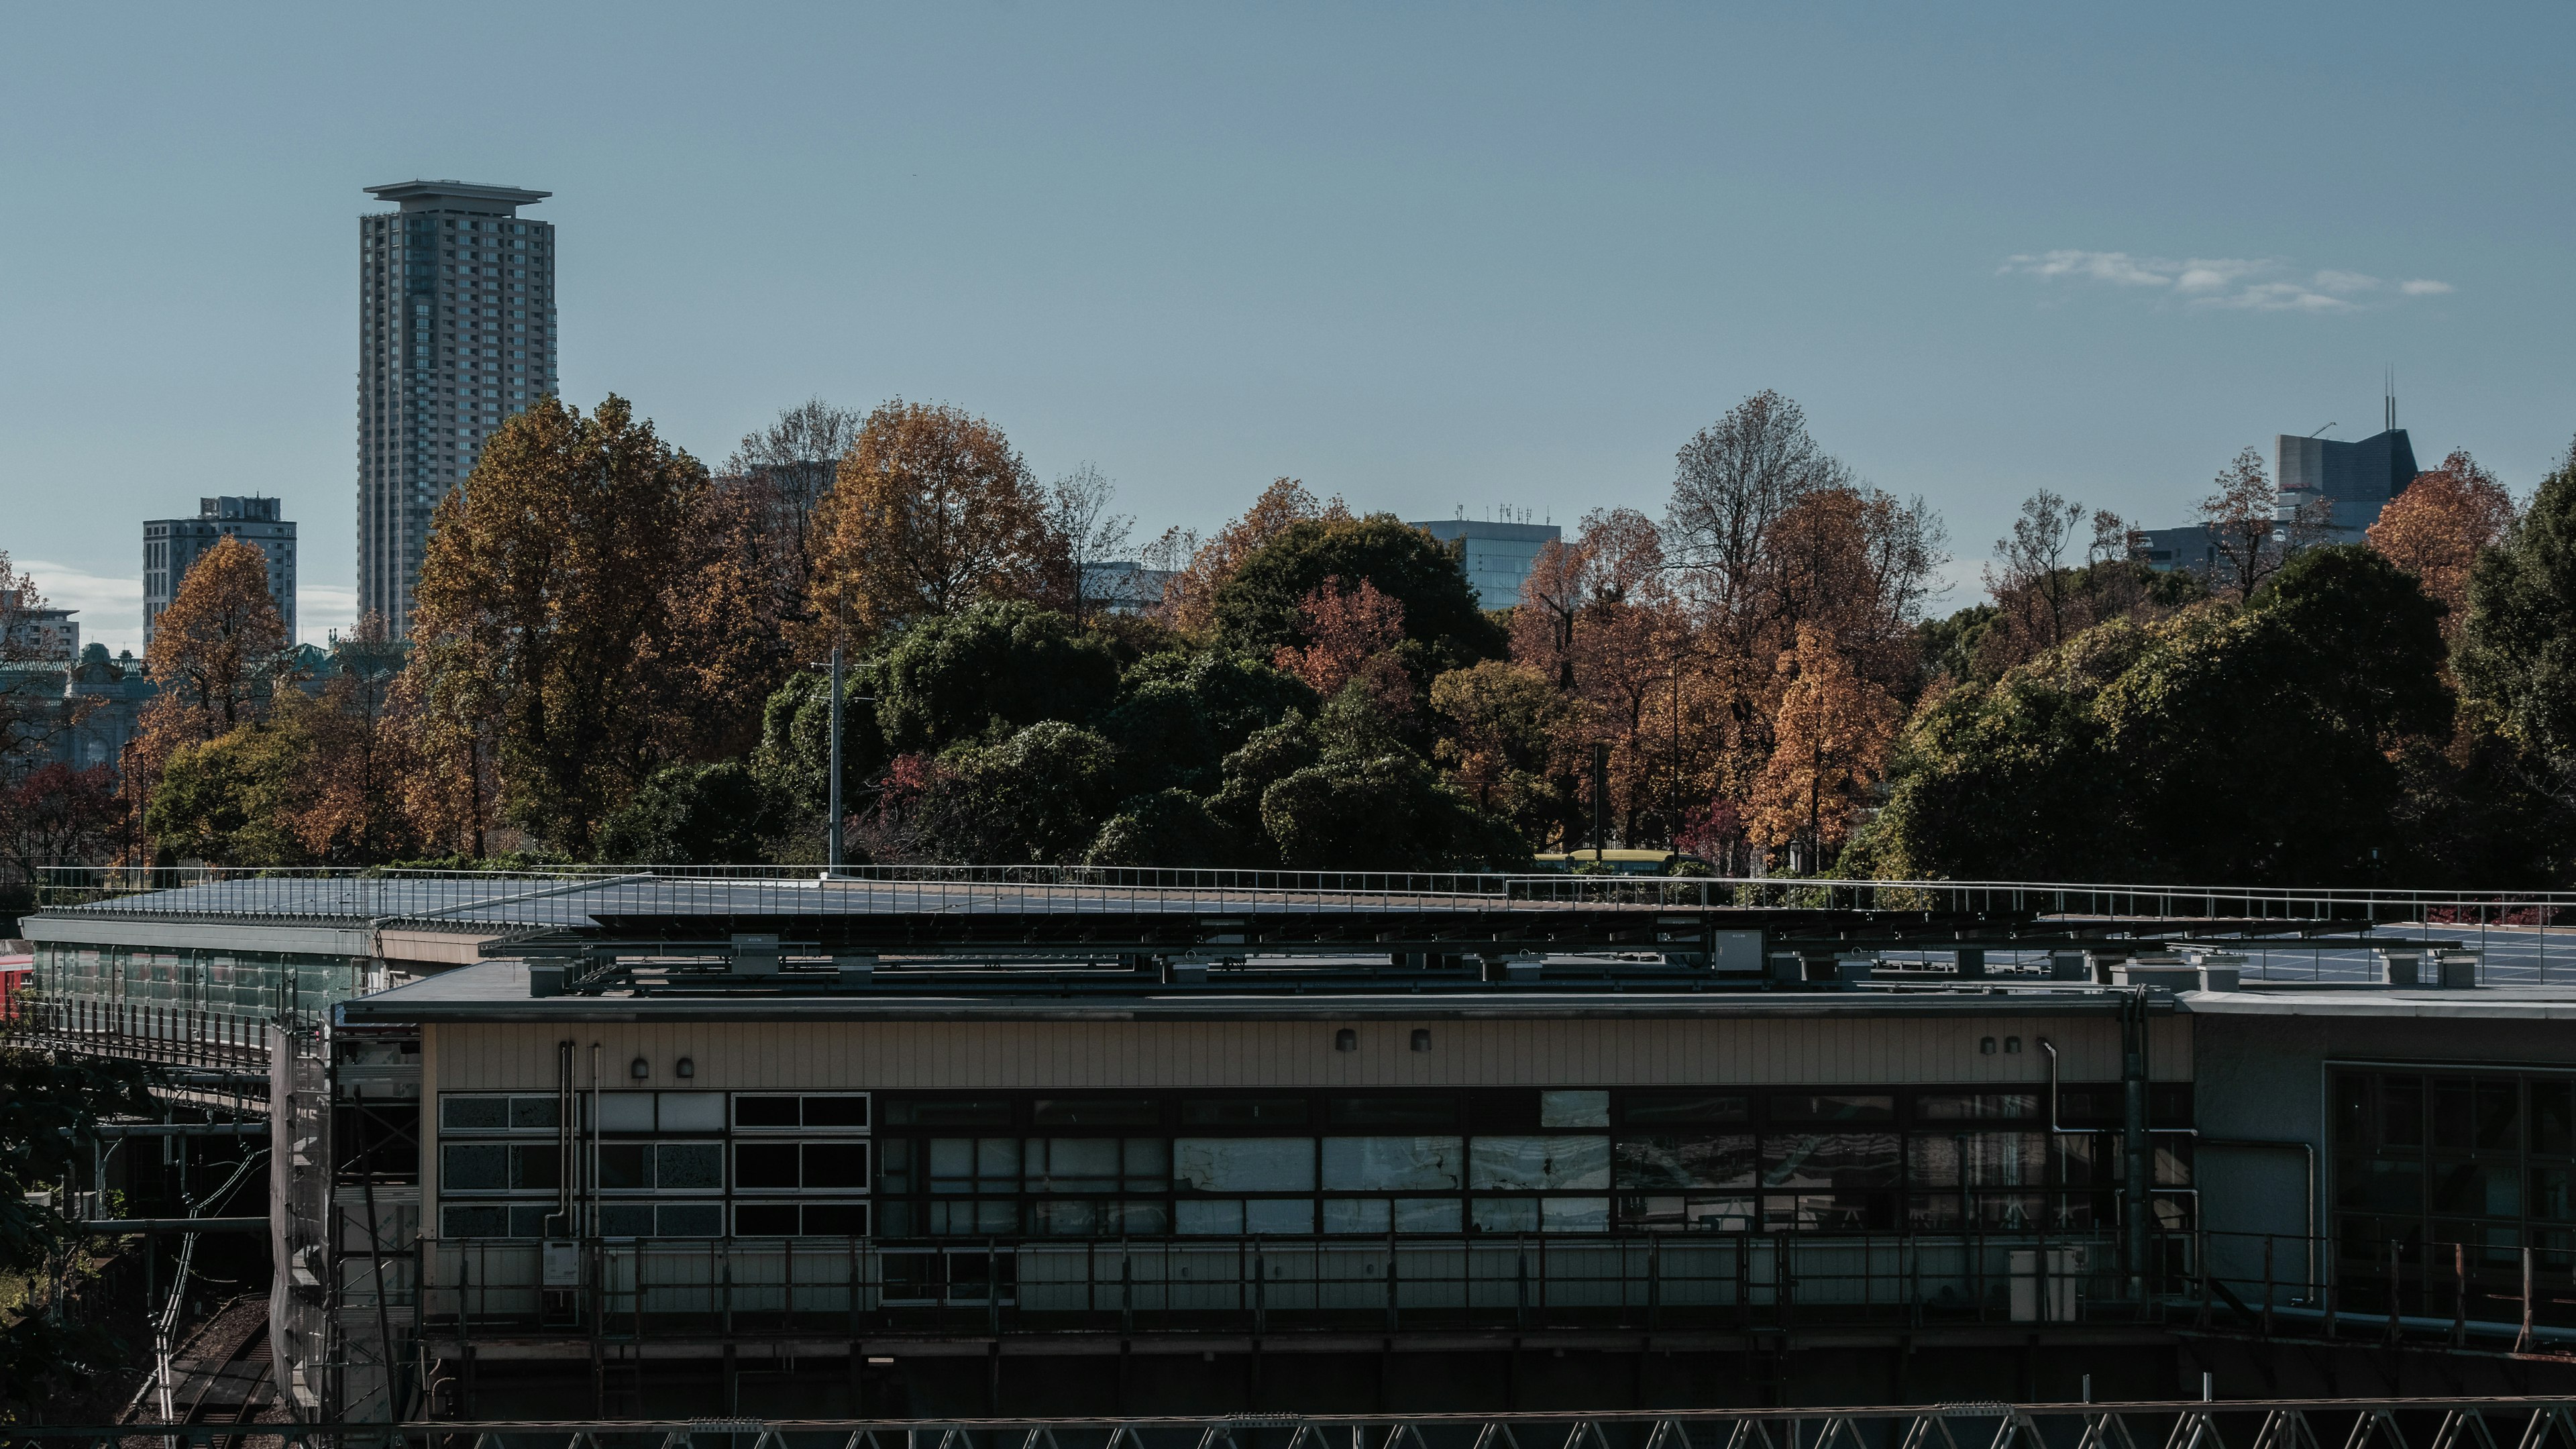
[[2496, 1423]]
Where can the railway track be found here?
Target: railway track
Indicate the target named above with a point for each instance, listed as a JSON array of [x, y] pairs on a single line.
[[222, 1373]]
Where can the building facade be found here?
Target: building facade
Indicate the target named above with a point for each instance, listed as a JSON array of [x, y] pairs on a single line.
[[2341, 487], [172, 546], [456, 331], [1498, 556]]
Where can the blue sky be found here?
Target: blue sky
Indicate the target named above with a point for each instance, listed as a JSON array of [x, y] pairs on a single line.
[[1424, 257]]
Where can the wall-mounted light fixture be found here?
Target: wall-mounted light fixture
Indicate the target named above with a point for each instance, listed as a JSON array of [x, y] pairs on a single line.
[[1986, 1046], [685, 1068], [640, 1070], [1422, 1038], [1346, 1040]]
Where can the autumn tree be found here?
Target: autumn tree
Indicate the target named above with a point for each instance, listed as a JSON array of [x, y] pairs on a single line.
[[1832, 736], [2252, 540], [2436, 529], [1259, 608], [931, 512], [783, 473], [1350, 633], [2062, 571], [1201, 566], [586, 613], [1503, 730], [1732, 482], [216, 653]]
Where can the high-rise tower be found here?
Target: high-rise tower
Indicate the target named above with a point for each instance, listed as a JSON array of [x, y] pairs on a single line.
[[456, 330]]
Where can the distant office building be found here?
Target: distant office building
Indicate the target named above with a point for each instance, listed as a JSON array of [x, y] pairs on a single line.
[[36, 632], [456, 331], [2351, 481], [172, 546], [1124, 586], [1499, 555]]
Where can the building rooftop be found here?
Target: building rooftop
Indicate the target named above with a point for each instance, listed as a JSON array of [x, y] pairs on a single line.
[[424, 195]]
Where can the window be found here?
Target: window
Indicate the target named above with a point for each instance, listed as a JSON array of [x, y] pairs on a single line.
[[800, 1166], [498, 1167], [814, 1112], [496, 1112]]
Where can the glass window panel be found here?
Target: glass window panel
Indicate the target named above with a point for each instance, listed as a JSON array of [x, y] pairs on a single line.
[[1073, 1164], [473, 1114], [1095, 1112], [771, 1166], [836, 1220], [534, 1167], [689, 1220], [691, 1111], [1357, 1215], [1427, 1215], [1245, 1164], [2549, 1194], [997, 1164], [1392, 1164], [952, 1164], [1538, 1163], [530, 1222], [1065, 1218], [1712, 1160], [951, 1112], [835, 1111], [2477, 1189], [2401, 1111], [1412, 1111], [765, 1220], [1831, 1107], [1646, 1109], [1574, 1109], [1138, 1219], [2499, 1107], [1978, 1159], [1504, 1214], [1280, 1215], [535, 1112], [624, 1166], [688, 1166], [1829, 1159], [626, 1220], [1574, 1214], [836, 1165], [474, 1222], [1200, 1217], [1244, 1112], [625, 1111], [1977, 1106], [2455, 1114], [2553, 1118], [894, 1165], [1829, 1211], [2380, 1186], [1148, 1162], [474, 1168], [766, 1112]]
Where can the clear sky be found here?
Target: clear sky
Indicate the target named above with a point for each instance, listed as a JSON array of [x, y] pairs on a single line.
[[1424, 257]]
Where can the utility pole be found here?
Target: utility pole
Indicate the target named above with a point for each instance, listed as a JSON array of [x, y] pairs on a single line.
[[1600, 799], [832, 838]]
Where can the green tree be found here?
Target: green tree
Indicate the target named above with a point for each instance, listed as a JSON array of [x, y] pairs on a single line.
[[719, 814], [1369, 803], [2518, 652], [1259, 609], [1166, 828], [795, 751], [992, 667], [1182, 714], [1037, 797], [229, 800]]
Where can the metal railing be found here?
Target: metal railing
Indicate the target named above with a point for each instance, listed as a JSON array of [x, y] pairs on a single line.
[[168, 1035], [2522, 1298], [799, 1288], [2392, 1423]]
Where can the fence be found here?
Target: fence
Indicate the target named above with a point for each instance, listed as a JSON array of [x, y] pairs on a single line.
[[173, 1036], [2528, 1423]]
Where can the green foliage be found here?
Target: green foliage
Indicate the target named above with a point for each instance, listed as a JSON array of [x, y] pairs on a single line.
[[1257, 608], [1182, 714], [1268, 756], [1037, 796], [717, 814], [1167, 828], [795, 751], [2518, 651], [988, 670], [1949, 645], [1370, 803], [226, 801], [2219, 745]]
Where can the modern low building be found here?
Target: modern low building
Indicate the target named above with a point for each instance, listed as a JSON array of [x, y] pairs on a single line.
[[1498, 556], [172, 546], [2339, 487], [953, 1143]]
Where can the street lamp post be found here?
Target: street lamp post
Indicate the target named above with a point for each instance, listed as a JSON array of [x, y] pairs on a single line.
[[832, 844]]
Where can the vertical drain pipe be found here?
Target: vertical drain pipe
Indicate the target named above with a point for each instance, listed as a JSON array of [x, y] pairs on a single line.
[[564, 1164], [2133, 1079]]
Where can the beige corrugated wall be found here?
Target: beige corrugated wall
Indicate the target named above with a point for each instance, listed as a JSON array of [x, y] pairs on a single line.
[[1120, 1054]]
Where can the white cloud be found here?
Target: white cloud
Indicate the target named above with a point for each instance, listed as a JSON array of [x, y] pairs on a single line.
[[2232, 283], [321, 608], [111, 609]]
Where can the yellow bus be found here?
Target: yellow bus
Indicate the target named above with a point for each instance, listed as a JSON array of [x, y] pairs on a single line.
[[1624, 862]]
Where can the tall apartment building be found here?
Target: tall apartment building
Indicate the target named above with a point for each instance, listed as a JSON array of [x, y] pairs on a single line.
[[456, 331], [172, 546]]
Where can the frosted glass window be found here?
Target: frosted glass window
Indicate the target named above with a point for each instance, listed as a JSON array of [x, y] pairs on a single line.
[[692, 1111], [1506, 1215], [1712, 1160], [1073, 1164], [1574, 1214], [626, 1111], [1539, 1163], [1280, 1215], [1426, 1215], [1245, 1164], [1391, 1164], [1574, 1109], [1357, 1215], [1203, 1217]]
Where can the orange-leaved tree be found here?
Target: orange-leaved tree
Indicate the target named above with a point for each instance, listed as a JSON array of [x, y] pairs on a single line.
[[1831, 738], [1202, 565], [2436, 529], [931, 513], [215, 654], [1350, 634]]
